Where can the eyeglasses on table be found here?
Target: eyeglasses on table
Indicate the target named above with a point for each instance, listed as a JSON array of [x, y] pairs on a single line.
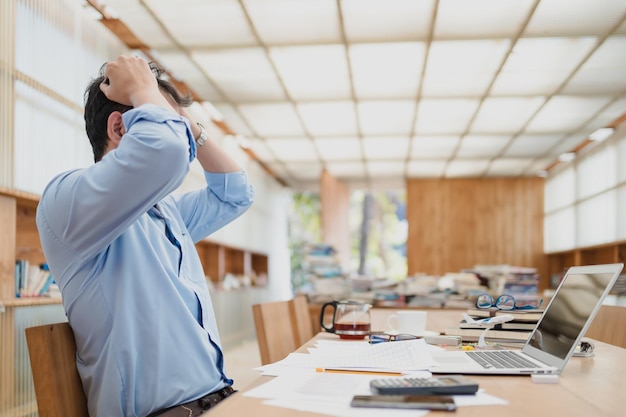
[[375, 338], [503, 302]]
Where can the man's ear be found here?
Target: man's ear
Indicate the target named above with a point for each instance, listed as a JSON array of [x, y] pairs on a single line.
[[115, 129]]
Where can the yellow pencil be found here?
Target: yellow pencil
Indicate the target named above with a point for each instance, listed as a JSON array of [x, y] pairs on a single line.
[[356, 371]]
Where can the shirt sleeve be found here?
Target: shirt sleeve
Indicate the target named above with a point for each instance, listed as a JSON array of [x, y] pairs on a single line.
[[87, 209], [226, 197]]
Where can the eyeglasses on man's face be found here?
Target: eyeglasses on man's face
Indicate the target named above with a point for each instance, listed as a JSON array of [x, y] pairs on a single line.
[[503, 302]]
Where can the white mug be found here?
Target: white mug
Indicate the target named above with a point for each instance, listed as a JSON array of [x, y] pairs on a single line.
[[408, 322]]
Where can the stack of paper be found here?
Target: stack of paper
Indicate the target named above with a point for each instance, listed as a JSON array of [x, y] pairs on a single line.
[[299, 384]]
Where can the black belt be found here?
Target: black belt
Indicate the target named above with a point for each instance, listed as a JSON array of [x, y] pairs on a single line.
[[195, 407]]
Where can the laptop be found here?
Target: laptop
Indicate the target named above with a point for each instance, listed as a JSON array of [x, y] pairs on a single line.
[[556, 335]]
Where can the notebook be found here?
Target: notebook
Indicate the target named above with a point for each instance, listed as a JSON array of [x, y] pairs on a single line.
[[557, 333]]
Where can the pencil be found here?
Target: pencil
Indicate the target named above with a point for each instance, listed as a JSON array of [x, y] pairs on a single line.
[[356, 371]]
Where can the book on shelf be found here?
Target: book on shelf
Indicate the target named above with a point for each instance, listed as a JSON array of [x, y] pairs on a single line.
[[31, 280], [472, 335]]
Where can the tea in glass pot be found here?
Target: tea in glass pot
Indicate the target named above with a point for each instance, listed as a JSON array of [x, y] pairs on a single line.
[[351, 319]]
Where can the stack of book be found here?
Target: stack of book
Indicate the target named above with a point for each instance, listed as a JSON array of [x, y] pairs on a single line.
[[515, 331]]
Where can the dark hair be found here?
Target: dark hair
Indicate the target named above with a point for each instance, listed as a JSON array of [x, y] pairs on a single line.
[[98, 108]]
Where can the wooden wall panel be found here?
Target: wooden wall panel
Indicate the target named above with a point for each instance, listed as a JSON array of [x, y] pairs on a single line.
[[335, 211], [7, 247], [455, 224]]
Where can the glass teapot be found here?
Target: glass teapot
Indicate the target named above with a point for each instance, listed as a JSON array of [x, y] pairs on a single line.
[[351, 319]]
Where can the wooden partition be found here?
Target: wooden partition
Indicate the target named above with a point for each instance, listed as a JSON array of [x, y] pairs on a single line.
[[455, 224], [335, 201]]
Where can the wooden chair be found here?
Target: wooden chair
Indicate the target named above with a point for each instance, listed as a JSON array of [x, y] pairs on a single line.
[[301, 323], [274, 331], [609, 326], [58, 387]]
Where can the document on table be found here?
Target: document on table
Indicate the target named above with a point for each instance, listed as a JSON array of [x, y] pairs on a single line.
[[411, 355], [298, 386]]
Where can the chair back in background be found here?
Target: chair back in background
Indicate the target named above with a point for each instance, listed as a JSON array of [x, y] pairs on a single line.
[[609, 326], [300, 320], [274, 331], [52, 352]]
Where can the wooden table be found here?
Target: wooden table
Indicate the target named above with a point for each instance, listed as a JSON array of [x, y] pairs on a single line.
[[589, 387]]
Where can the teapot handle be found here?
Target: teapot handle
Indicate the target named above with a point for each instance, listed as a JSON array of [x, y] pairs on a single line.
[[334, 305]]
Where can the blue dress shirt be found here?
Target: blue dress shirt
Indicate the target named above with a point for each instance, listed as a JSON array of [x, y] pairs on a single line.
[[121, 248]]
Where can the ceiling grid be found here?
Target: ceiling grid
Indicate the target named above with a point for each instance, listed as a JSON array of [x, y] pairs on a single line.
[[377, 91]]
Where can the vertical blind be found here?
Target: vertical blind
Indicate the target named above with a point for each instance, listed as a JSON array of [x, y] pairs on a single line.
[[50, 50], [585, 201]]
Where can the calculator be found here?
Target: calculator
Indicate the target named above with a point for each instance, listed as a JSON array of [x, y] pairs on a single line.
[[436, 385]]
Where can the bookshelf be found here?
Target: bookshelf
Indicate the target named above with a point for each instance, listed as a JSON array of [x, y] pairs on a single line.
[[218, 260], [606, 253]]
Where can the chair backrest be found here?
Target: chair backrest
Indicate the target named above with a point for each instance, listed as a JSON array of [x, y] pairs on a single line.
[[274, 332], [609, 326], [300, 319], [58, 387]]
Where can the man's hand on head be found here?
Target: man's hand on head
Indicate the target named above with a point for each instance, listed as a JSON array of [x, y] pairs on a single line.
[[129, 80]]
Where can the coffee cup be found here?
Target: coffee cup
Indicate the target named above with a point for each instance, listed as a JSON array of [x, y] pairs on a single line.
[[408, 322]]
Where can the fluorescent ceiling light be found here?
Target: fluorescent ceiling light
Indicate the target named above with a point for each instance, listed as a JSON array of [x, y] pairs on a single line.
[[567, 156], [601, 134]]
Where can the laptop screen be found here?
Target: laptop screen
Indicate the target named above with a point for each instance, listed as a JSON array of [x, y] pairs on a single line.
[[573, 304]]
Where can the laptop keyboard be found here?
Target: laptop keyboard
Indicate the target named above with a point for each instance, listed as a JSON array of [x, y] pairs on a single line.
[[504, 359]]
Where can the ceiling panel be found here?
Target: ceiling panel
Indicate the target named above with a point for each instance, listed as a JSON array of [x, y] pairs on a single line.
[[575, 17], [466, 168], [477, 146], [446, 116], [500, 115], [384, 70], [538, 66], [182, 67], [292, 149], [335, 118], [350, 170], [566, 114], [313, 72], [304, 171], [403, 19], [480, 19], [143, 24], [233, 119], [426, 169], [378, 169], [288, 22], [531, 145], [243, 74], [434, 147], [272, 119], [196, 23], [376, 90], [462, 68], [603, 72], [386, 147], [386, 117], [508, 167], [339, 149]]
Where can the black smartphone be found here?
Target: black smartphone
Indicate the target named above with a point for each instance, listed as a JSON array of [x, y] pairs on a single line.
[[423, 402]]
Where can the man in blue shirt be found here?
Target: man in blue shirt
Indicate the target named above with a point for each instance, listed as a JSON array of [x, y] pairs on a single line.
[[121, 249]]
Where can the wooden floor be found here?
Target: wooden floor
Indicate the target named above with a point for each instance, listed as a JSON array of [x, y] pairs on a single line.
[[240, 363]]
